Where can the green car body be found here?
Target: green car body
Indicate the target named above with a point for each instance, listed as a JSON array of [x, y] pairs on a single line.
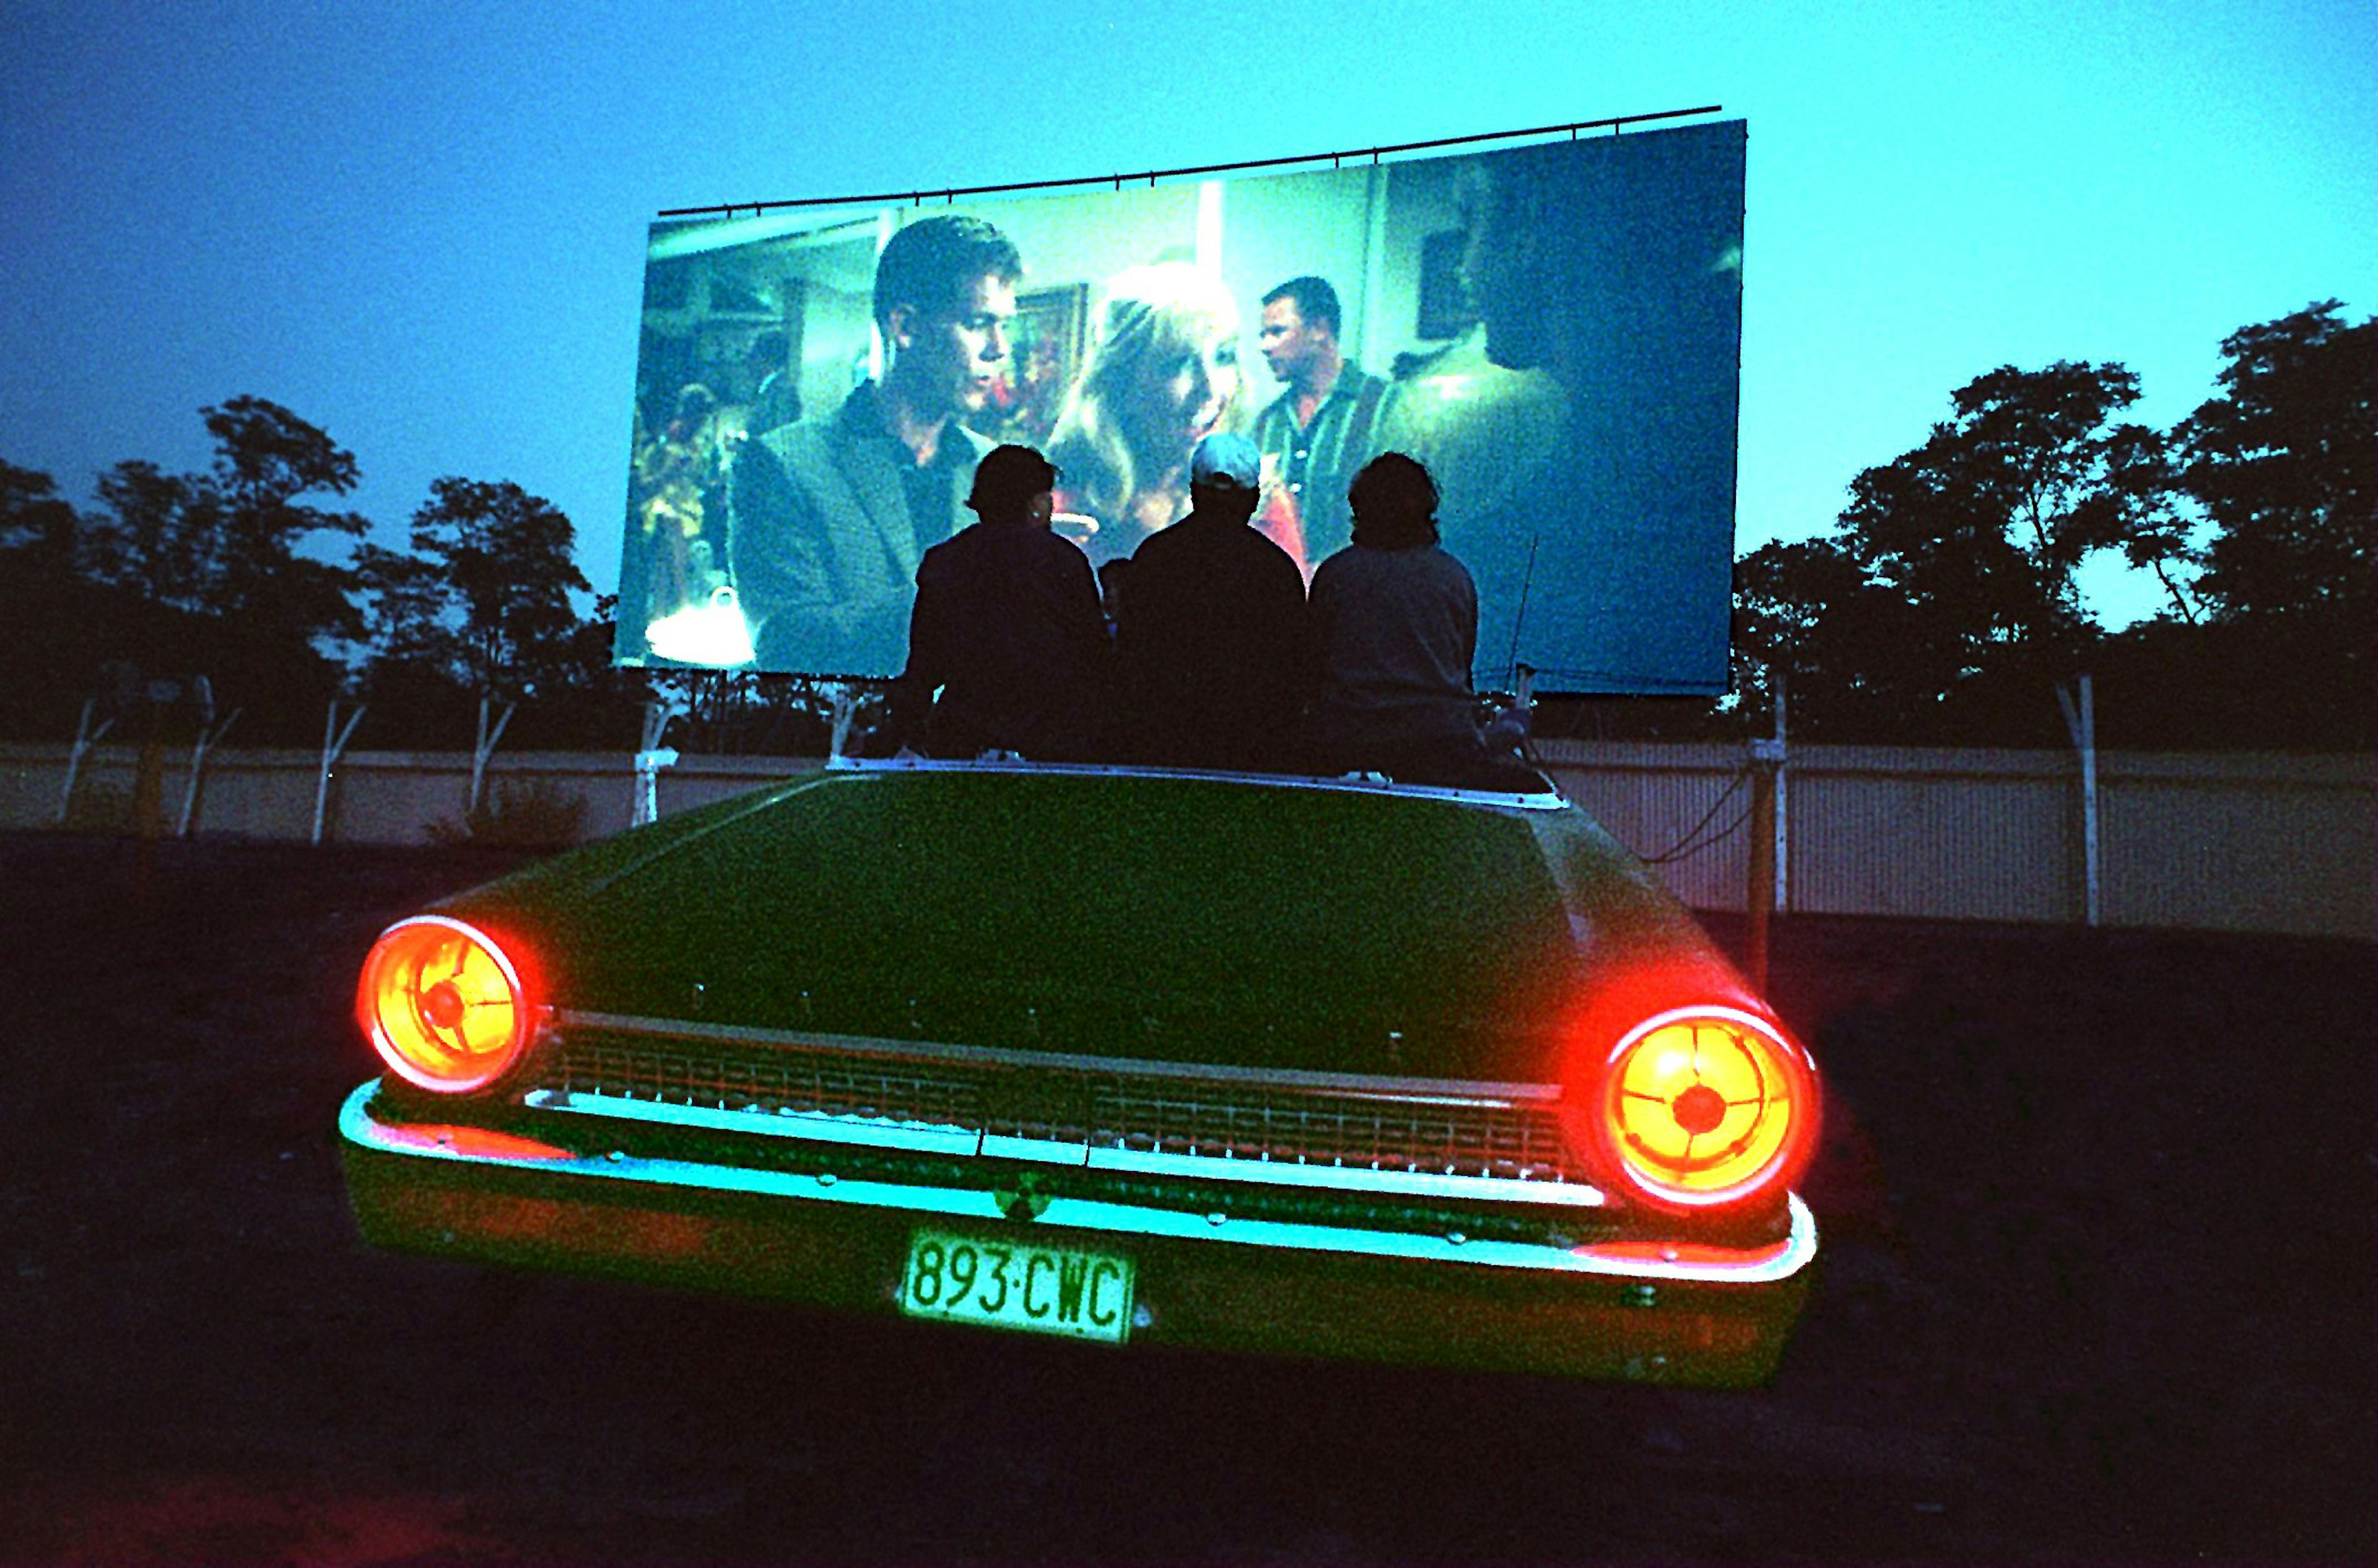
[[1296, 1062]]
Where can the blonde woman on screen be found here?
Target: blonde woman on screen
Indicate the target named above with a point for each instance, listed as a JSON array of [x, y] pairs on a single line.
[[1163, 374]]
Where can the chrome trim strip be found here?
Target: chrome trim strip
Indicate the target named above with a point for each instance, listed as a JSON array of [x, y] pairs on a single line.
[[1481, 1094], [914, 1136], [1352, 1179], [1764, 1267], [1346, 783]]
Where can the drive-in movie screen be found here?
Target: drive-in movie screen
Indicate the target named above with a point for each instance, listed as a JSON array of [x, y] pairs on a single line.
[[1553, 330]]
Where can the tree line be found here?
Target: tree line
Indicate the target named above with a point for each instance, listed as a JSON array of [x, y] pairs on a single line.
[[1944, 606], [252, 575], [1941, 608]]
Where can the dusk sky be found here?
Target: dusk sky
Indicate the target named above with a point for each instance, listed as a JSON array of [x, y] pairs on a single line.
[[422, 226]]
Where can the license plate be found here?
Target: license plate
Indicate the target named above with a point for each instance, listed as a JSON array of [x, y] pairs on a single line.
[[1066, 1291]]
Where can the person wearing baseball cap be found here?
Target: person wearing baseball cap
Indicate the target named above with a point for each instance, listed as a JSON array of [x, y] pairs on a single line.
[[1225, 455], [1209, 628]]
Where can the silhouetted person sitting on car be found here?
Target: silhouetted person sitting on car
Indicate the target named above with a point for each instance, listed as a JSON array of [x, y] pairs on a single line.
[[1209, 631], [1007, 629], [1394, 630]]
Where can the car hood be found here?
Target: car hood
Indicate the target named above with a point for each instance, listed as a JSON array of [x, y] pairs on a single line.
[[1159, 916]]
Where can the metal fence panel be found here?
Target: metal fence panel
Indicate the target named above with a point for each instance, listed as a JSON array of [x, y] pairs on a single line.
[[2204, 841], [2241, 843], [1945, 840], [2280, 844]]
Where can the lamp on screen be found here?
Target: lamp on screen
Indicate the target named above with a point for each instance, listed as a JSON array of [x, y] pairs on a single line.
[[713, 635]]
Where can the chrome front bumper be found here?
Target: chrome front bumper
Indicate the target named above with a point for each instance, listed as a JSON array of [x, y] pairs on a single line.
[[1649, 1309]]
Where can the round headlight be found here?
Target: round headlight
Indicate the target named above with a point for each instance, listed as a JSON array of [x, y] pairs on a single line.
[[1704, 1107], [443, 1004]]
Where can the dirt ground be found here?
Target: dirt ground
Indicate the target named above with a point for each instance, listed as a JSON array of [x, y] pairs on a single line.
[[2097, 1281]]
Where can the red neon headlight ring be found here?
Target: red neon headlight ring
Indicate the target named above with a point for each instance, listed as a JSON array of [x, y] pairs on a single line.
[[1701, 1108], [444, 1004]]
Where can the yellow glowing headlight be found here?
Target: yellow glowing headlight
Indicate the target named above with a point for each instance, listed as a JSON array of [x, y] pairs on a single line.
[[443, 1004], [1703, 1106]]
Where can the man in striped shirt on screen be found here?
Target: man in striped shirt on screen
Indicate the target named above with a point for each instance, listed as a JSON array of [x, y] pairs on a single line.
[[1320, 431]]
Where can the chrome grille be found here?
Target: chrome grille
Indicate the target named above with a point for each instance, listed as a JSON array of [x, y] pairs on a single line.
[[1241, 1122], [1221, 1118], [783, 1083]]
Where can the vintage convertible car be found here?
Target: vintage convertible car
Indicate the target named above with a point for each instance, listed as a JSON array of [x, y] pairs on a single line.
[[1334, 1066]]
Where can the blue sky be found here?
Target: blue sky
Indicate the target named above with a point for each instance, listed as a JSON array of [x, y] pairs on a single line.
[[422, 226]]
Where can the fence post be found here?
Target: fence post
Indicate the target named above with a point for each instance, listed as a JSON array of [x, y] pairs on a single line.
[[843, 704], [1783, 798], [650, 760], [1766, 762], [206, 743], [485, 749], [85, 738], [2080, 722], [334, 741]]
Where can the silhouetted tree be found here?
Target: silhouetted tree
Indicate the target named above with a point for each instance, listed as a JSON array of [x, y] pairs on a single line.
[[152, 535], [37, 528], [487, 597], [1947, 601], [1945, 606], [44, 603], [1809, 608], [411, 675], [266, 461], [1984, 524], [2145, 512], [405, 604], [585, 700], [228, 542], [2282, 461], [176, 575]]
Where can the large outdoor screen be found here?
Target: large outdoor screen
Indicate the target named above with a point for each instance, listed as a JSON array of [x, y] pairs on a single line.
[[1553, 330]]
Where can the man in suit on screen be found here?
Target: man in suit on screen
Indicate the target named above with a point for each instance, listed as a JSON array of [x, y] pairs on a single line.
[[832, 514]]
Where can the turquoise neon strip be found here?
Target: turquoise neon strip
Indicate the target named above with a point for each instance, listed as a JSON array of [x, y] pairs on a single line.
[[1081, 1214], [906, 1136]]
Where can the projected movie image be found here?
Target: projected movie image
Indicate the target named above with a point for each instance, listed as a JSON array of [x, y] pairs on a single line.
[[1553, 330]]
